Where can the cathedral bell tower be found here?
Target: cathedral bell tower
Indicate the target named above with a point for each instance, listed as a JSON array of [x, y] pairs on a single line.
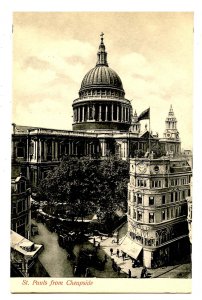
[[171, 132]]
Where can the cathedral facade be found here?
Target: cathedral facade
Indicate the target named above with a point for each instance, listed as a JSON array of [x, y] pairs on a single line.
[[104, 125]]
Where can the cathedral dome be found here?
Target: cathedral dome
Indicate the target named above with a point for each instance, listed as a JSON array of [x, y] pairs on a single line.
[[101, 76], [101, 104]]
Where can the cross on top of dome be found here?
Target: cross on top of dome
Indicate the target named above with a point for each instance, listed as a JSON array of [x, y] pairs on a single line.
[[102, 54]]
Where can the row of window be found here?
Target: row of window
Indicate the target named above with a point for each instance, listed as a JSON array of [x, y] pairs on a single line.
[[101, 92], [160, 183], [180, 181], [20, 187], [166, 214], [19, 207], [174, 196]]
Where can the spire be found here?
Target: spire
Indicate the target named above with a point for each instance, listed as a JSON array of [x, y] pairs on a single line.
[[171, 112], [102, 54]]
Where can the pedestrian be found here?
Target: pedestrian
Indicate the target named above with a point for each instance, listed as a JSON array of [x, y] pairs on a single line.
[[123, 256], [117, 239], [111, 251], [129, 273], [145, 272], [87, 272], [75, 270], [117, 252]]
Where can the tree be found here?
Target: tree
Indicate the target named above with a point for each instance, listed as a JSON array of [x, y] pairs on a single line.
[[87, 186]]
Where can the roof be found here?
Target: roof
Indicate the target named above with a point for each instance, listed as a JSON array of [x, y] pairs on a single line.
[[23, 245], [101, 76], [130, 247]]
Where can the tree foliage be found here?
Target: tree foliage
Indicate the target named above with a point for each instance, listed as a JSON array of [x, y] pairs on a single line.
[[87, 186]]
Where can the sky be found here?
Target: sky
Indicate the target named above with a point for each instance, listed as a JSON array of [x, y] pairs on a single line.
[[151, 52]]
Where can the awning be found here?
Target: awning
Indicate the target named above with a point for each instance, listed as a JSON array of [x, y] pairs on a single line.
[[131, 248]]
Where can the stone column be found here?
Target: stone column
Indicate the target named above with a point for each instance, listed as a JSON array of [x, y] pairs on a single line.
[[112, 118], [121, 113], [53, 150], [83, 113], [45, 150], [56, 150], [103, 147], [69, 147], [34, 150], [106, 112], [93, 113], [126, 149], [119, 148], [117, 112], [73, 115], [77, 114], [128, 111], [100, 113], [40, 150], [88, 112], [72, 147]]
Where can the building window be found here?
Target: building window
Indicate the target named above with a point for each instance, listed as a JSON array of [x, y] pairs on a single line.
[[163, 215], [141, 183], [134, 213], [171, 199], [21, 206], [156, 183], [168, 213], [139, 199], [183, 195], [151, 200], [171, 212], [20, 150], [139, 215], [134, 198], [151, 217], [163, 199], [176, 196], [189, 192], [14, 208]]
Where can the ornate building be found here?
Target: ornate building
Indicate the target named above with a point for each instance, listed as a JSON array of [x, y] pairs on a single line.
[[103, 125], [157, 209], [20, 206]]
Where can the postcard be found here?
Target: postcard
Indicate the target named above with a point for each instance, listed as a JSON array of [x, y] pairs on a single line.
[[101, 156]]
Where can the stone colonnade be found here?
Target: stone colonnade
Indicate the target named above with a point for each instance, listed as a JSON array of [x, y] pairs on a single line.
[[47, 149], [113, 112]]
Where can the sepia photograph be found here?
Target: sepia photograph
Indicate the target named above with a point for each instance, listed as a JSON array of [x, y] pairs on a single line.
[[102, 150]]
